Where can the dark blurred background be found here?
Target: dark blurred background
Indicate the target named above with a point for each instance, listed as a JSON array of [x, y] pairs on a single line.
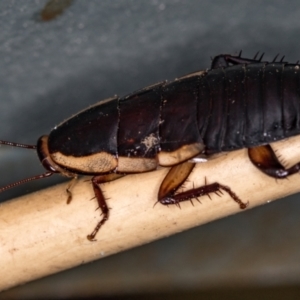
[[50, 68]]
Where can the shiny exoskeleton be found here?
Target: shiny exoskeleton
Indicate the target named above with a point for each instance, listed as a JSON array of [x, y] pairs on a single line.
[[238, 103]]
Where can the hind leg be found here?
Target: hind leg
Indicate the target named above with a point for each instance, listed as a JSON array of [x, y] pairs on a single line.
[[225, 60], [264, 158]]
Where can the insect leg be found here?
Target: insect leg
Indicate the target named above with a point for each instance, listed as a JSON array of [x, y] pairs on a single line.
[[175, 178], [68, 189], [264, 158], [224, 60], [96, 180]]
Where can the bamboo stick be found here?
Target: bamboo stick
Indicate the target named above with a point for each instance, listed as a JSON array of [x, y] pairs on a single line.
[[40, 234]]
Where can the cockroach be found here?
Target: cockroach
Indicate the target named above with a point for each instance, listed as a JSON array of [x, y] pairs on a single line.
[[237, 103]]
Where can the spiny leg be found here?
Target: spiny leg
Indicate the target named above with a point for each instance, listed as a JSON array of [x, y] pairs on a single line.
[[177, 175], [264, 158], [205, 190], [223, 60], [96, 180]]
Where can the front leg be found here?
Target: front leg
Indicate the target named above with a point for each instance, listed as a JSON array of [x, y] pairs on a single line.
[[96, 180]]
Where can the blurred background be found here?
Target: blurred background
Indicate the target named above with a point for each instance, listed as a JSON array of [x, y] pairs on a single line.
[[58, 57]]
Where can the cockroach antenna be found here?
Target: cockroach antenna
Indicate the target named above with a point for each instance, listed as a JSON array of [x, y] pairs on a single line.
[[17, 145], [36, 177]]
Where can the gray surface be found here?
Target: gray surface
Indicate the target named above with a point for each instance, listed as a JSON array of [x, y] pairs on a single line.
[[49, 71]]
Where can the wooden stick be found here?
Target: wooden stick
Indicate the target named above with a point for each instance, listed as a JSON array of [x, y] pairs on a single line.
[[41, 235]]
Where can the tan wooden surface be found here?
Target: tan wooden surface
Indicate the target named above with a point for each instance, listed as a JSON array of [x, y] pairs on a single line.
[[41, 235]]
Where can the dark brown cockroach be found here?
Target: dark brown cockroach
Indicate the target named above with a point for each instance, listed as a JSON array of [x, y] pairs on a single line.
[[238, 103]]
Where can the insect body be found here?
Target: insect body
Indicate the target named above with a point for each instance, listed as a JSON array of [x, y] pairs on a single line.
[[238, 103]]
